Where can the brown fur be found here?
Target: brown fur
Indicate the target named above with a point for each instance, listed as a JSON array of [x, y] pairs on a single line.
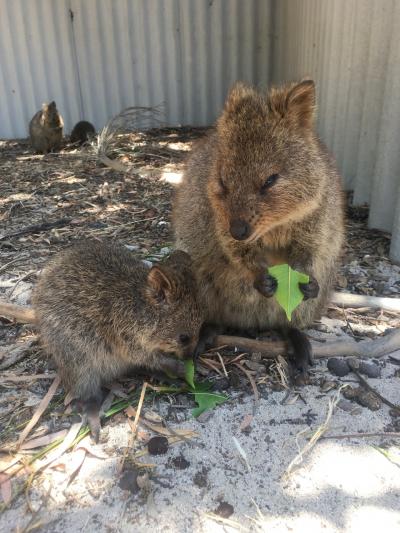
[[299, 220], [101, 312], [46, 129], [82, 132]]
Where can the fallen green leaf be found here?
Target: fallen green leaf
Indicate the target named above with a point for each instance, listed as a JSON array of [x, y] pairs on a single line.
[[189, 372], [288, 294], [202, 395], [206, 399]]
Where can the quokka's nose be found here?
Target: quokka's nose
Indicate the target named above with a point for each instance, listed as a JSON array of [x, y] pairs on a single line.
[[239, 229]]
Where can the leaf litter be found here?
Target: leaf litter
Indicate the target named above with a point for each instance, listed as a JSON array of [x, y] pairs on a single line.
[[77, 198]]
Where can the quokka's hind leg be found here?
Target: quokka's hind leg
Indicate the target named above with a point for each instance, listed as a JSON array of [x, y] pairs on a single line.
[[86, 388], [299, 351], [91, 411]]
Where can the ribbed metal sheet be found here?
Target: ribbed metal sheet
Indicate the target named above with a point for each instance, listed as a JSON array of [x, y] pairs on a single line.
[[351, 48], [36, 63], [96, 57]]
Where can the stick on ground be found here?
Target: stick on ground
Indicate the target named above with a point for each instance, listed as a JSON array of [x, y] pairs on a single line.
[[40, 410], [346, 299], [382, 345], [37, 228]]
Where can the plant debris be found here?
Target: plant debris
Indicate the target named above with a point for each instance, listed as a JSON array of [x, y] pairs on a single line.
[[46, 203]]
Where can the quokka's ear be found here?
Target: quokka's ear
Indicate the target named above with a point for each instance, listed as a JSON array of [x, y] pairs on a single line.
[[300, 103], [160, 285], [241, 100]]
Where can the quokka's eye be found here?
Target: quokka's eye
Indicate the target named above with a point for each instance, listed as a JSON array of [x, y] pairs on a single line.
[[268, 183]]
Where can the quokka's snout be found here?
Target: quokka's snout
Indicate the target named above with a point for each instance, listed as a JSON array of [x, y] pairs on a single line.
[[240, 229]]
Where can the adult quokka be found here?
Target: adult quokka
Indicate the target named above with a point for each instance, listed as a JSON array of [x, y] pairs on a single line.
[[261, 190]]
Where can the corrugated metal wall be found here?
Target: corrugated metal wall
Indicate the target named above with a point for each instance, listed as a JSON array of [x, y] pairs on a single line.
[[352, 50], [96, 57]]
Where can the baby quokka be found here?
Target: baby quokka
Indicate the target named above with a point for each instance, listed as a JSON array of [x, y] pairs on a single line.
[[101, 313]]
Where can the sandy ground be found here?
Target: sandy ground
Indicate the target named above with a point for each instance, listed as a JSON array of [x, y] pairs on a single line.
[[341, 485], [203, 484]]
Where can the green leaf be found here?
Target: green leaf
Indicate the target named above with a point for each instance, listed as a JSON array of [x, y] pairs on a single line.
[[206, 399], [201, 391], [288, 294], [189, 372]]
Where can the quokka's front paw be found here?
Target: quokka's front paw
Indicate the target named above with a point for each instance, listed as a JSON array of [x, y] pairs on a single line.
[[310, 289], [266, 284]]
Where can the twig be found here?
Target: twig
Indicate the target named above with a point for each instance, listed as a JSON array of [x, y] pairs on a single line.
[[227, 522], [345, 299], [283, 371], [37, 228], [252, 382], [242, 453], [222, 364], [361, 435], [114, 164], [269, 349], [237, 358], [4, 267], [133, 426], [365, 383], [18, 281], [180, 435], [139, 409], [40, 410], [316, 436], [16, 379], [18, 313], [131, 411], [34, 522], [211, 365], [382, 345]]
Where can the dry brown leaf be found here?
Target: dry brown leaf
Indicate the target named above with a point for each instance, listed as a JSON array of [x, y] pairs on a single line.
[[43, 441], [131, 412], [251, 379], [143, 436], [5, 488], [247, 420], [85, 444], [40, 410], [68, 398], [5, 464], [69, 439], [75, 464], [118, 390]]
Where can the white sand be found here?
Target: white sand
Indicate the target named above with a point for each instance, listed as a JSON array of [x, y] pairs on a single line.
[[342, 485]]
